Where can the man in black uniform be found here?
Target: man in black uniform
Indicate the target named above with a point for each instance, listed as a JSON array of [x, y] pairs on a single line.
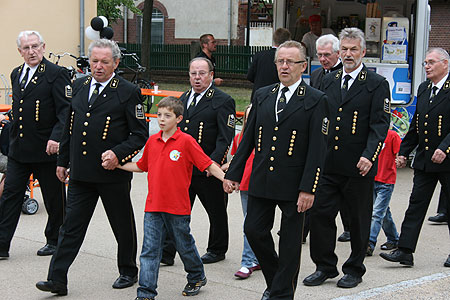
[[39, 105], [106, 125], [359, 102], [209, 45], [430, 133], [263, 70], [209, 116], [287, 127], [327, 47]]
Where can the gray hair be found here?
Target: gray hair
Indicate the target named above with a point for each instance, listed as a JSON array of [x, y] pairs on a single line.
[[327, 39], [210, 66], [442, 54], [292, 44], [26, 34], [105, 43], [353, 33]]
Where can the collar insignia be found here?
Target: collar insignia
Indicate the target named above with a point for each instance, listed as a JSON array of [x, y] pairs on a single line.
[[362, 75], [275, 88], [114, 83], [41, 68], [301, 90], [209, 93]]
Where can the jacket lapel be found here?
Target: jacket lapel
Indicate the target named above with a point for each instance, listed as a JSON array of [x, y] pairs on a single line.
[[441, 95], [37, 78], [357, 86], [204, 101], [105, 95], [295, 103]]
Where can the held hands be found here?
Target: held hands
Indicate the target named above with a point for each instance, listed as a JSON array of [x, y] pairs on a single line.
[[364, 165], [305, 201], [52, 147], [438, 156], [109, 160], [230, 186], [400, 161]]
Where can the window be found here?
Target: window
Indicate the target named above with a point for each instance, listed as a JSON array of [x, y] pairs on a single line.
[[157, 27]]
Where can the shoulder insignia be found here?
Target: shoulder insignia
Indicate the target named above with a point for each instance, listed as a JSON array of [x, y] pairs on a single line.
[[140, 111], [41, 68], [447, 85], [325, 125], [114, 83], [301, 90], [275, 88], [68, 91], [88, 80], [338, 74], [209, 93], [387, 106], [362, 75], [231, 120]]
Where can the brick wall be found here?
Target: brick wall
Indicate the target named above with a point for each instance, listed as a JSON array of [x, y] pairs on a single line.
[[440, 25]]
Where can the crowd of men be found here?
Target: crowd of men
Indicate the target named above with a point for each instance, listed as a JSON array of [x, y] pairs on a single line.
[[316, 149]]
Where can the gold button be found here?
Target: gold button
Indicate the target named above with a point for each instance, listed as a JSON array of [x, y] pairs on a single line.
[[274, 138], [20, 118], [86, 123], [336, 148], [272, 158], [276, 128], [336, 138], [273, 148], [355, 113], [108, 118], [426, 116], [426, 140], [440, 117], [338, 118], [123, 160], [185, 128], [104, 138], [201, 127], [87, 114], [271, 168], [291, 144], [313, 190], [83, 143], [425, 124], [290, 148], [340, 109], [294, 132], [259, 149], [20, 109], [353, 131], [21, 135], [20, 126], [292, 140], [84, 132], [426, 132], [201, 123], [107, 122], [37, 101], [337, 128], [84, 152], [260, 128], [426, 148], [187, 121], [290, 153], [21, 101], [259, 140]]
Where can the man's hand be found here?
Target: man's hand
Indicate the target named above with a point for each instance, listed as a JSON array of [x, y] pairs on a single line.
[[364, 166], [305, 201], [52, 147], [438, 156], [400, 161], [61, 173], [109, 160], [218, 81], [230, 186]]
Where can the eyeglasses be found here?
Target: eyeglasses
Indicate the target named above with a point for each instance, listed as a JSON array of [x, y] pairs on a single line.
[[32, 47], [326, 55], [431, 62], [290, 63], [200, 73]]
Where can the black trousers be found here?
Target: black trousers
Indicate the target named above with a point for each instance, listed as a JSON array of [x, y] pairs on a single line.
[[210, 192], [82, 199], [356, 194], [280, 270], [53, 193], [424, 184], [442, 205]]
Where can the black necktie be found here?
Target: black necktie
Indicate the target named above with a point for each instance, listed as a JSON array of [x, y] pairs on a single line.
[[191, 107], [24, 80], [433, 93], [281, 103], [344, 88], [95, 93]]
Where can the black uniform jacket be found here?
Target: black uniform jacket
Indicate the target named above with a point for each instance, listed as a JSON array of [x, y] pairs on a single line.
[[263, 71], [289, 153], [211, 124], [115, 121], [429, 129], [318, 74], [358, 123], [38, 113]]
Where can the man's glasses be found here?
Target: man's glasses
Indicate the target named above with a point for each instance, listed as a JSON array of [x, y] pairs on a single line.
[[200, 73], [31, 48], [290, 63], [431, 62], [326, 55]]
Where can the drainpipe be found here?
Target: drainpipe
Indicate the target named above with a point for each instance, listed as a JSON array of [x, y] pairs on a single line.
[[81, 27], [125, 24], [230, 14]]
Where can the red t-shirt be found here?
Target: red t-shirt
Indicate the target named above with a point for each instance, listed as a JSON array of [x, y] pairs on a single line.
[[169, 166], [387, 171], [243, 186]]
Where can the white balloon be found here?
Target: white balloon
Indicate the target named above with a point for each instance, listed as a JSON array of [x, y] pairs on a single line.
[[92, 34], [105, 21]]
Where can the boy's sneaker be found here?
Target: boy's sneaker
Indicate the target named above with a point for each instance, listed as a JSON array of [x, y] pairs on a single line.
[[144, 298], [192, 289], [388, 246], [369, 251]]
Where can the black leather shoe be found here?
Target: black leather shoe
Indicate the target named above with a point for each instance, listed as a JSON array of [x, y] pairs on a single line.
[[349, 281], [317, 278], [266, 295], [4, 254], [344, 237], [439, 218], [124, 281], [52, 287], [46, 250], [399, 256], [209, 257], [447, 262]]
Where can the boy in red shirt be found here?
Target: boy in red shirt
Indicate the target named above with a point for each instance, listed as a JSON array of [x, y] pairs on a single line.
[[169, 157], [383, 188]]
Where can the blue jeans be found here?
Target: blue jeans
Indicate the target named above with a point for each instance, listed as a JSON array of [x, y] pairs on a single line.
[[156, 226], [248, 257], [381, 215]]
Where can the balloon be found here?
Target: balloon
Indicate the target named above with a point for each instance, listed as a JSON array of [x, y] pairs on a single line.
[[97, 23], [105, 21], [92, 34], [107, 33]]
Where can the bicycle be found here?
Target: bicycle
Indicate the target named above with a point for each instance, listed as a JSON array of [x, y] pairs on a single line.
[[136, 79], [82, 65]]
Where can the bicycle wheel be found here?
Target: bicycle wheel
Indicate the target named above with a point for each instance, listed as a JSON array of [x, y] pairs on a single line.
[[147, 99]]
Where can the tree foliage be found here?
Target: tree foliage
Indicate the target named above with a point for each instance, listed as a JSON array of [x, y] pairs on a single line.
[[111, 8]]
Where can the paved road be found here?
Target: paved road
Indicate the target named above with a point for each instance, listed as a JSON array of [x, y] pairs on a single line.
[[94, 270]]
